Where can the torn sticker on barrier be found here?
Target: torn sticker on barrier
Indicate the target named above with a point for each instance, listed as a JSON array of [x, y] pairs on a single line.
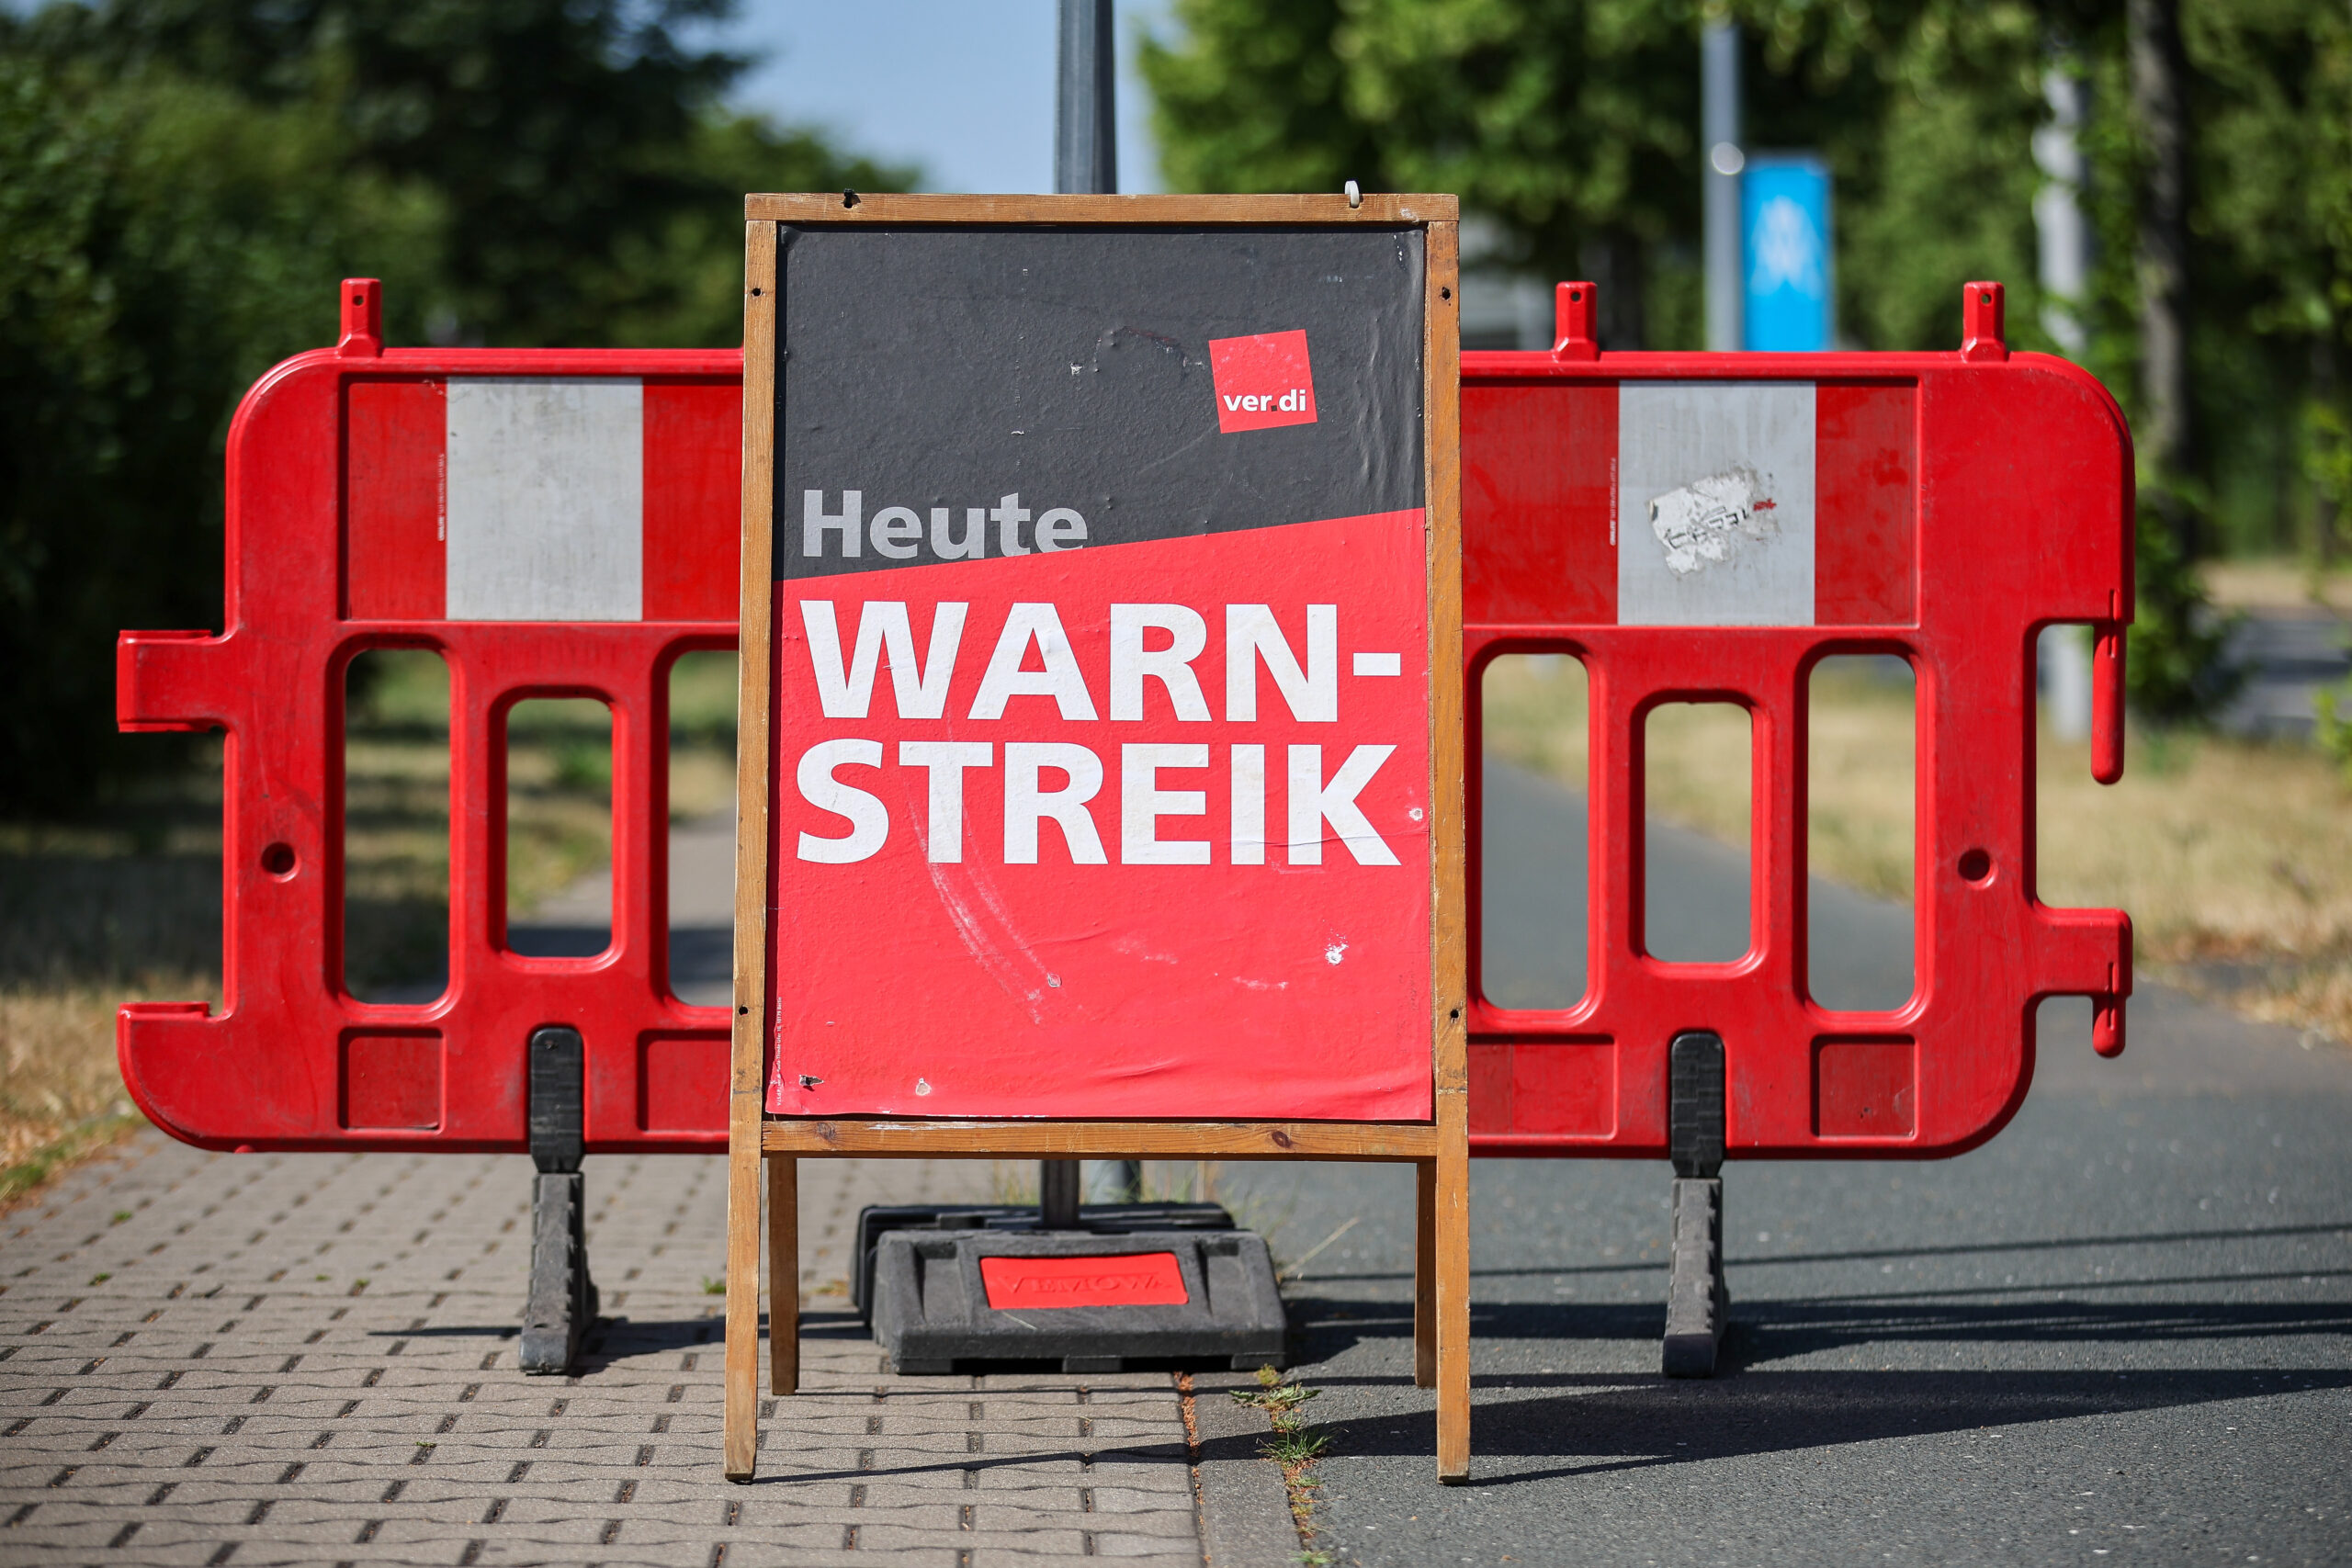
[[1707, 519], [1725, 472]]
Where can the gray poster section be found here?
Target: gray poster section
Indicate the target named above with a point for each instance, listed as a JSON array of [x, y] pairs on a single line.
[[951, 367]]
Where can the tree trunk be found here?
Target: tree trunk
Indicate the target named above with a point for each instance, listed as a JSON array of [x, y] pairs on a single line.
[[2160, 109]]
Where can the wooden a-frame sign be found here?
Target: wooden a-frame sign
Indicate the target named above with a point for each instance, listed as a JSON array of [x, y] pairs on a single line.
[[1101, 707]]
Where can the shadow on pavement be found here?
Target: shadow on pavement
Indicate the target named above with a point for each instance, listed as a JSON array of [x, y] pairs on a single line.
[[1635, 1423], [1880, 1254], [612, 1340], [1763, 1331], [970, 1463]]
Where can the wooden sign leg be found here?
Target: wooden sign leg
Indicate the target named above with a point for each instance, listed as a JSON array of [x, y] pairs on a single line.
[[1451, 1170], [784, 1274], [1424, 1273], [747, 1077], [740, 1433]]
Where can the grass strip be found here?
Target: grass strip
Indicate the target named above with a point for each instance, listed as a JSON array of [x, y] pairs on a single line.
[[1294, 1447]]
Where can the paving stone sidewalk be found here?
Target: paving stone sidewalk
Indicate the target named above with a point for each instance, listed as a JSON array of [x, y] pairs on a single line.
[[309, 1359]]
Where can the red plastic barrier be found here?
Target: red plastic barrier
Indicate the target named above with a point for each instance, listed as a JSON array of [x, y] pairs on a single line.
[[1961, 502], [1951, 505], [407, 498]]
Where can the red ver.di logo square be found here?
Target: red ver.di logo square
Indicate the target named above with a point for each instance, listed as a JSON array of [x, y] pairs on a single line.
[[1261, 381]]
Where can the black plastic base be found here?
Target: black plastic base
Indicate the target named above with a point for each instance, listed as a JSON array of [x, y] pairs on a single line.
[[563, 1303], [1697, 1303], [930, 1309], [1098, 1219]]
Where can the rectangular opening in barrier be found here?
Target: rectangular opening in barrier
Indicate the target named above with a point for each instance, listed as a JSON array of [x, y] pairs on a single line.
[[1865, 1089], [2084, 855], [702, 827], [392, 1081], [396, 825], [1862, 793], [560, 828], [1699, 759], [1565, 1088], [2063, 683], [1533, 884]]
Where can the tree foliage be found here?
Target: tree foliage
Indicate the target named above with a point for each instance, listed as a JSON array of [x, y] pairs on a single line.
[[1570, 125], [182, 182]]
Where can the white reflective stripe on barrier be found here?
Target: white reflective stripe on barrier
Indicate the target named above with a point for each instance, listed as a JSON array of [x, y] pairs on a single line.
[[545, 506]]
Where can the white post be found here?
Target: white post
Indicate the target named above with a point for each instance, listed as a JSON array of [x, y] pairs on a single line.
[[2058, 219], [1726, 283], [2064, 236], [2065, 660]]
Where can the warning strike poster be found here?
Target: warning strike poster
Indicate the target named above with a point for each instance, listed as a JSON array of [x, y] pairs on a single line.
[[1101, 770]]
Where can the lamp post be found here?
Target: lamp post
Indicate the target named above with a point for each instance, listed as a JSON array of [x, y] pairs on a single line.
[[1085, 162]]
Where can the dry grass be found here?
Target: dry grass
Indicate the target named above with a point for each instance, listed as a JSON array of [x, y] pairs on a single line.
[[88, 920], [129, 908], [2233, 857], [59, 1095], [2276, 584]]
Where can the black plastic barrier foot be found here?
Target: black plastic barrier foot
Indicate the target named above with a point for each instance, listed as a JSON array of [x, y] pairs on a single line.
[[1696, 1300], [563, 1298], [1697, 1303], [562, 1305]]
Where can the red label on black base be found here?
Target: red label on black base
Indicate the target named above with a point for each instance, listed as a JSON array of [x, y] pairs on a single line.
[[1132, 1279]]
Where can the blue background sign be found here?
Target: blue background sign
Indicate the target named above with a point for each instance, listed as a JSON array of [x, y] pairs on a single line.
[[1784, 222]]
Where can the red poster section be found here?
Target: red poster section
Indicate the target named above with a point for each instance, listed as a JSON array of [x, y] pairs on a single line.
[[1132, 832]]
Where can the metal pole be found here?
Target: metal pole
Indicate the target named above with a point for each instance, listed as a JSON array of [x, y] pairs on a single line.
[[1086, 133], [1058, 1193], [1085, 162], [1719, 185]]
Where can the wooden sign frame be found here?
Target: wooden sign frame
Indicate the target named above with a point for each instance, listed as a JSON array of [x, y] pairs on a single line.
[[1438, 1149]]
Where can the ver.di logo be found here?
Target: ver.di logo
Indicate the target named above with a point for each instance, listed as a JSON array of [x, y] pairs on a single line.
[[1261, 381]]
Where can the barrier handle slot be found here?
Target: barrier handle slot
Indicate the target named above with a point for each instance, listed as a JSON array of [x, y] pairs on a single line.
[[2107, 702]]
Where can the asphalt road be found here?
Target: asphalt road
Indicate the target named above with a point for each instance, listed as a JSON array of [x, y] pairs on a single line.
[[2120, 1332], [2287, 656]]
